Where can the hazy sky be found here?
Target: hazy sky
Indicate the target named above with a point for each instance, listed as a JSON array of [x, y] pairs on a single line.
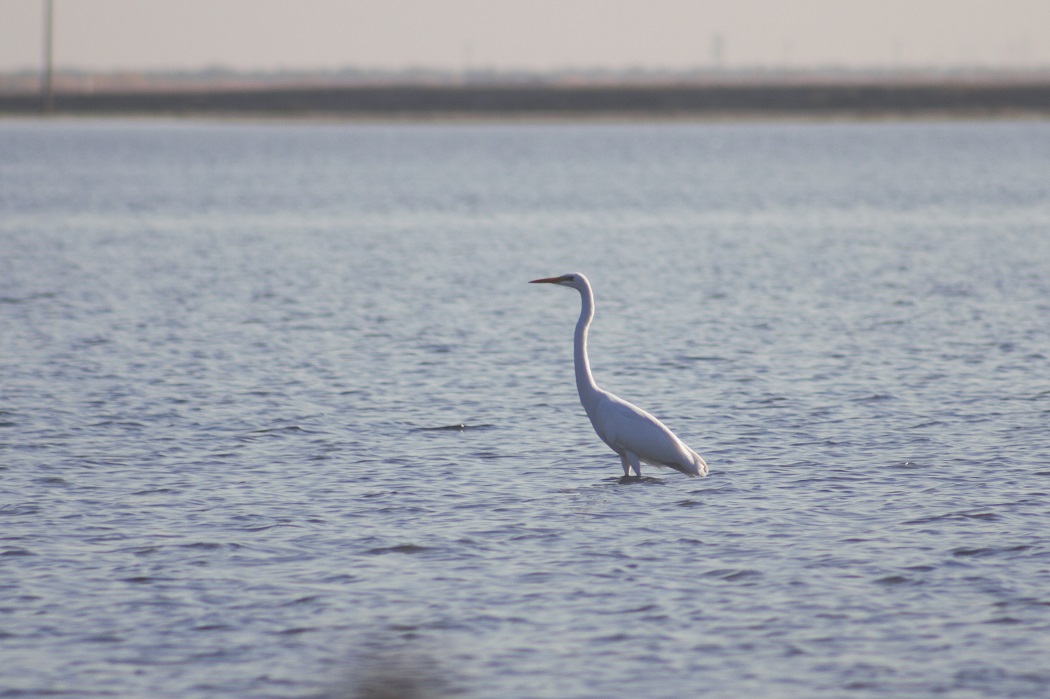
[[526, 34]]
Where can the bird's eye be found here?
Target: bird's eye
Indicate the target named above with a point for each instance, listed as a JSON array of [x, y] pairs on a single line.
[[570, 278]]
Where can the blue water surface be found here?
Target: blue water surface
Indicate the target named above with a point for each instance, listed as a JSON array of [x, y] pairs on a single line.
[[281, 417]]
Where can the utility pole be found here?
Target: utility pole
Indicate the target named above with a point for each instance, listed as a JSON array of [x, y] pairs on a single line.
[[48, 86], [718, 46]]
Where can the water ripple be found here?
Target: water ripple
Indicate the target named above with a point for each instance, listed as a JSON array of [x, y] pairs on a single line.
[[262, 435]]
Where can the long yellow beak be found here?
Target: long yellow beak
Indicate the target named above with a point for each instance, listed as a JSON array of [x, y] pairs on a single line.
[[548, 280]]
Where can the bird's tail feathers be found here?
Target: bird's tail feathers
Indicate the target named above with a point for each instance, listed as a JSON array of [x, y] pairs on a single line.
[[699, 465]]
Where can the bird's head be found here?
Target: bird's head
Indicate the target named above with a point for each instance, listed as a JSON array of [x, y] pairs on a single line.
[[575, 280]]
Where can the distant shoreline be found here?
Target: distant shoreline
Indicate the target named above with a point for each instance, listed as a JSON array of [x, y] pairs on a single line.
[[648, 101]]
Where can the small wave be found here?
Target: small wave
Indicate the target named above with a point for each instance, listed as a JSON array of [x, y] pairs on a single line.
[[132, 424], [213, 627], [459, 427], [490, 455], [731, 574], [18, 510], [273, 432], [636, 480], [296, 631], [339, 579], [984, 516], [208, 546], [907, 465], [966, 552], [156, 491], [264, 527], [613, 638], [51, 480], [635, 610], [402, 548], [874, 398], [27, 298], [303, 600], [896, 580], [103, 638]]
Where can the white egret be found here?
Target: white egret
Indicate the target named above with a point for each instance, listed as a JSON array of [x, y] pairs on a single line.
[[631, 432]]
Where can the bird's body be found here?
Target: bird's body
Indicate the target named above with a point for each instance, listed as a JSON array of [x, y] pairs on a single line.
[[635, 435]]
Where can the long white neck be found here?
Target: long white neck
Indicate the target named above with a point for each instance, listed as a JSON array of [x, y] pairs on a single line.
[[584, 381]]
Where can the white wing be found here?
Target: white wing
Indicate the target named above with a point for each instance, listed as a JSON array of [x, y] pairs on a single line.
[[626, 427]]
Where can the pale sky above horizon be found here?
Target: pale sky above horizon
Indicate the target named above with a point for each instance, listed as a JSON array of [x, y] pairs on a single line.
[[526, 34]]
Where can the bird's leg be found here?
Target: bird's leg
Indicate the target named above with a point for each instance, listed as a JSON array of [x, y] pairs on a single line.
[[626, 465], [632, 458]]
